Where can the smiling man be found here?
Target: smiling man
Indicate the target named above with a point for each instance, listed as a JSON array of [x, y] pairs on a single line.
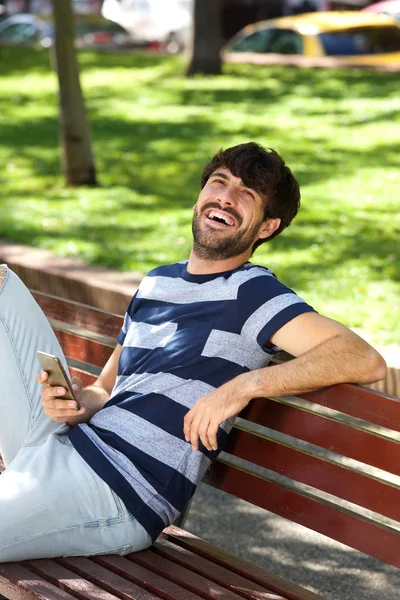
[[193, 351]]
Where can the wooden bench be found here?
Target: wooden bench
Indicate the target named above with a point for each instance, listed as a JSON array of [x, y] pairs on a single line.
[[329, 460]]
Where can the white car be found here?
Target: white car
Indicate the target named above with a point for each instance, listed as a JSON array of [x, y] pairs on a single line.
[[153, 21]]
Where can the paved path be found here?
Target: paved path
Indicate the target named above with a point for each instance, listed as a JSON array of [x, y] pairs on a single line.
[[309, 559]]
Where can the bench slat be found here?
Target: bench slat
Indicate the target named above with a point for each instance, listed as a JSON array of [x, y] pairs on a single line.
[[146, 578], [207, 568], [106, 579], [82, 349], [317, 472], [79, 315], [326, 433], [18, 583], [316, 514], [361, 402], [67, 580], [194, 582], [242, 567]]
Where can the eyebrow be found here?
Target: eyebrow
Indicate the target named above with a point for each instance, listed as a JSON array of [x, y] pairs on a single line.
[[224, 176], [220, 174]]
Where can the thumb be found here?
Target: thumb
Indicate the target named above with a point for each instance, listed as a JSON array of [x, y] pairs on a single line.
[[76, 384]]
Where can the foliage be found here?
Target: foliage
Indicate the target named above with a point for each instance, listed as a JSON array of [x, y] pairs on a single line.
[[153, 129]]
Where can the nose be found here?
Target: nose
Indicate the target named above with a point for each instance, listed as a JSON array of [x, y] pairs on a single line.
[[227, 196]]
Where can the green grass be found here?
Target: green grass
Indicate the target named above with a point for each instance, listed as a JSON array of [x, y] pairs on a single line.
[[153, 130]]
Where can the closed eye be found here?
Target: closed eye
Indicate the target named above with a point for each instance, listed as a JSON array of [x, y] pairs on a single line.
[[249, 193]]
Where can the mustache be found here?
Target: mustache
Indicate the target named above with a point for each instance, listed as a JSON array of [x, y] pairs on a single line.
[[228, 210]]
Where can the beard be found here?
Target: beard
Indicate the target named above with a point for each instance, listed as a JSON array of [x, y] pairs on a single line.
[[220, 245]]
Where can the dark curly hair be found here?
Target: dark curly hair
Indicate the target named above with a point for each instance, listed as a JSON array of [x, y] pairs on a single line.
[[264, 171]]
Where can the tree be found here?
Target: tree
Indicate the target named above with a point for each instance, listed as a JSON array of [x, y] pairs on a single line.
[[206, 38], [77, 156]]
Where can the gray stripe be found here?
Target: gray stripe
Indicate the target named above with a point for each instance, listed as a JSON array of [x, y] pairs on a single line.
[[145, 335], [233, 347], [127, 469], [184, 391], [127, 323], [179, 291], [266, 312], [152, 440], [243, 348]]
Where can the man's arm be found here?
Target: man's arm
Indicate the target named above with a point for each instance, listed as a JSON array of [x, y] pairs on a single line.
[[92, 398], [326, 353]]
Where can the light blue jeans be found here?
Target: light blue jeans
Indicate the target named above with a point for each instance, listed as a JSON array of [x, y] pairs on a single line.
[[51, 502]]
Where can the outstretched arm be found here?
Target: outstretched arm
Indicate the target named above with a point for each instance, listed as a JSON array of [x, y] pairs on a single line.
[[326, 353]]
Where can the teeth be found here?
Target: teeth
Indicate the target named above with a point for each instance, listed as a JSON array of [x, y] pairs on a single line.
[[222, 216]]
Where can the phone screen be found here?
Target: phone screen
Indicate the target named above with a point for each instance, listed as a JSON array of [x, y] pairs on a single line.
[[57, 375]]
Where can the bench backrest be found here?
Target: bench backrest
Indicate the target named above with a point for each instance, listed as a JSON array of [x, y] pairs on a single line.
[[329, 460]]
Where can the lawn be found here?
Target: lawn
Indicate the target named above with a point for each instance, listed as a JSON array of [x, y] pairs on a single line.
[[153, 130]]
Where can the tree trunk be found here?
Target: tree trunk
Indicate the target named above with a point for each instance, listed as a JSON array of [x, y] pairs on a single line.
[[77, 157], [206, 38]]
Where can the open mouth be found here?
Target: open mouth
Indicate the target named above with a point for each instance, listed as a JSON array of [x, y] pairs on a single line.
[[221, 217]]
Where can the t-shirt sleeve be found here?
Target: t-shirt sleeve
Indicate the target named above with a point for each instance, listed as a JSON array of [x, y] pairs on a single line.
[[273, 305], [127, 321]]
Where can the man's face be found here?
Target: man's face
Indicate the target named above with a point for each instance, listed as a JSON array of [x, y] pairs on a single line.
[[228, 217]]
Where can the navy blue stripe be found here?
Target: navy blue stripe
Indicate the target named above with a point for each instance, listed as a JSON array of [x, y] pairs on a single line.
[[283, 317], [256, 292], [149, 519], [158, 474], [139, 360]]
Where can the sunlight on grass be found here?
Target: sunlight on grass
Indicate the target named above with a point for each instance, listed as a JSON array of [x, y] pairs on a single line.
[[153, 130]]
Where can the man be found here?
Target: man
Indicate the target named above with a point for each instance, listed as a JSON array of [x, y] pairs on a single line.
[[192, 352]]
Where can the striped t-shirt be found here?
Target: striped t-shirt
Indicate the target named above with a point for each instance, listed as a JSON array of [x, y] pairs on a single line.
[[183, 336]]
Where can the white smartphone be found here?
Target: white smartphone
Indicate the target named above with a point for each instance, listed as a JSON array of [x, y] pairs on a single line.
[[57, 375]]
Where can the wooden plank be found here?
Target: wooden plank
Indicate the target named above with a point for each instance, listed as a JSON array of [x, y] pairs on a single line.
[[105, 579], [79, 315], [242, 567], [207, 568], [371, 449], [363, 403], [319, 515], [342, 482], [158, 585], [83, 349], [67, 580], [204, 587], [18, 583]]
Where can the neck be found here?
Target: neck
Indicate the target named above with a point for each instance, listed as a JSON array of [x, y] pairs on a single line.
[[202, 266]]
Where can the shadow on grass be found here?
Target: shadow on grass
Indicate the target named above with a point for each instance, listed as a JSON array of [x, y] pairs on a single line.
[[161, 159]]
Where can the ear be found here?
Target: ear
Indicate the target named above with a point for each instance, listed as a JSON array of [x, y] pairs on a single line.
[[268, 227]]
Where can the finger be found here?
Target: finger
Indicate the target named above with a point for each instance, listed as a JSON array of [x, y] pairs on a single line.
[[187, 424], [76, 384], [203, 433], [53, 403], [194, 432], [65, 415], [42, 377], [49, 392], [212, 435]]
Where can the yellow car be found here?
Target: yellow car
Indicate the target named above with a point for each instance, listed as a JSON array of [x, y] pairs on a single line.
[[349, 38]]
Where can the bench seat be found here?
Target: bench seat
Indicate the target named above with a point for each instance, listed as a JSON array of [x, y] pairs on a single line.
[[178, 566]]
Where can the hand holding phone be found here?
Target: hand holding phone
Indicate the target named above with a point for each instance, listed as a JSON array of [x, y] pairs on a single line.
[[57, 375]]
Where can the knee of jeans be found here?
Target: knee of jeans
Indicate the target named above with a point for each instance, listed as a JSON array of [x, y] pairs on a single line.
[[3, 273]]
